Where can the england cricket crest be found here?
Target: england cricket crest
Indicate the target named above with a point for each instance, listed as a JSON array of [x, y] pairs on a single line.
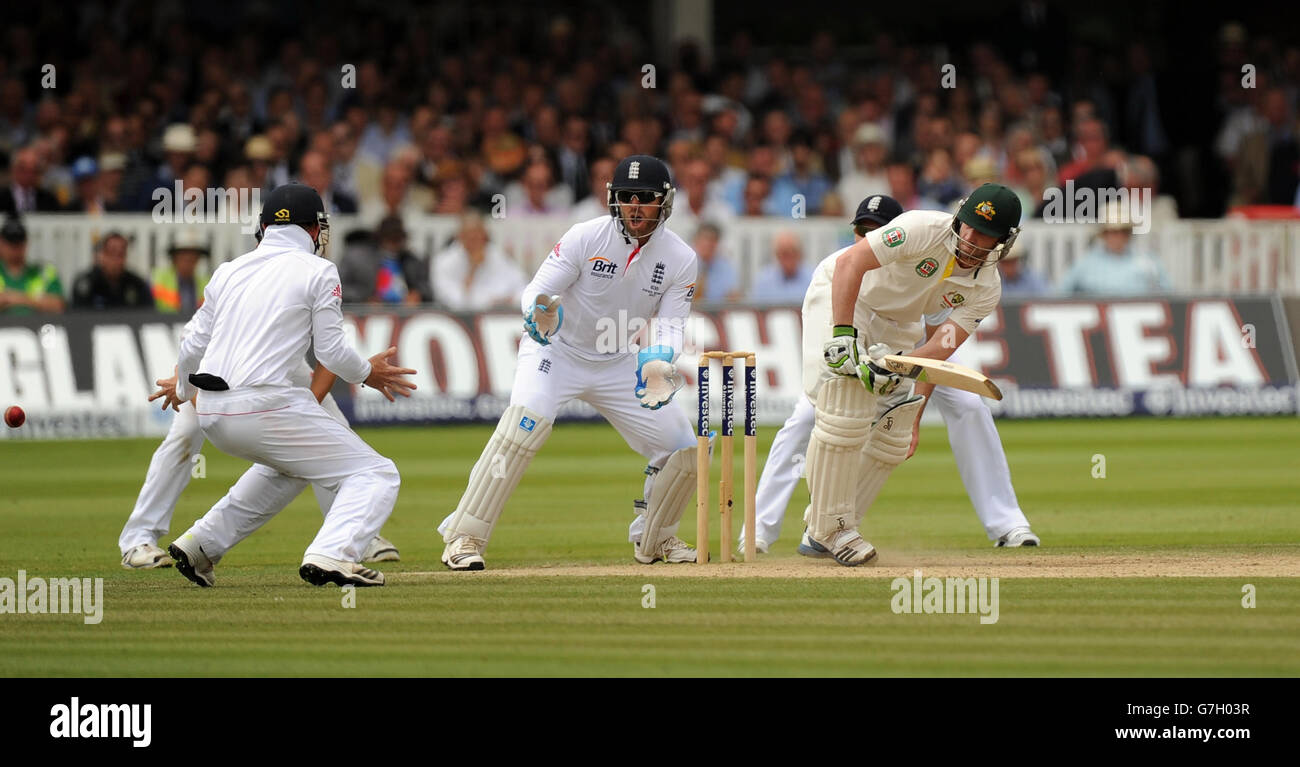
[[894, 236]]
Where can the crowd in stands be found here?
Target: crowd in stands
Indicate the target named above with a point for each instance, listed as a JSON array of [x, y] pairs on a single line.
[[530, 120]]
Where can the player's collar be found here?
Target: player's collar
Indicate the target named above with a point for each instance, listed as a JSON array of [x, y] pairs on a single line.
[[962, 276], [290, 235]]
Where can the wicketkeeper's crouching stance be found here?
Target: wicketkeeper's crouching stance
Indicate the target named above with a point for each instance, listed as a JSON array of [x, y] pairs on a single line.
[[874, 294], [626, 265]]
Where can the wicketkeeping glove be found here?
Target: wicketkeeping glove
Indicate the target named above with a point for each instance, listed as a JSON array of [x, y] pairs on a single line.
[[544, 318], [656, 377], [841, 352], [877, 379]]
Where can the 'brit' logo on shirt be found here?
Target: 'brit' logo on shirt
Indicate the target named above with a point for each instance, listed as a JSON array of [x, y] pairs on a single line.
[[602, 267]]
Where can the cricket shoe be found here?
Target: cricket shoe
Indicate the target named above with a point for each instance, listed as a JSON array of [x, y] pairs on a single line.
[[146, 556], [191, 561], [810, 548], [761, 546], [319, 570], [380, 550], [847, 547], [1016, 537], [674, 551], [464, 553]]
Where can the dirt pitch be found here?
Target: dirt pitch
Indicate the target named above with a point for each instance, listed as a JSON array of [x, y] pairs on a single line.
[[1283, 563]]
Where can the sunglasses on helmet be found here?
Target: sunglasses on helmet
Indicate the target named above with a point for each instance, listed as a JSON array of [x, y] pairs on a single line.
[[642, 196]]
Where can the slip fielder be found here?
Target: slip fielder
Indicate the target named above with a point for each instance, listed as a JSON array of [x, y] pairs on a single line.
[[260, 313], [874, 294], [623, 265], [170, 473], [972, 434]]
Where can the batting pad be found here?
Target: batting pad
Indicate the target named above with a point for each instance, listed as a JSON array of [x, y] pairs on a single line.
[[842, 424], [519, 435], [672, 488], [891, 436]]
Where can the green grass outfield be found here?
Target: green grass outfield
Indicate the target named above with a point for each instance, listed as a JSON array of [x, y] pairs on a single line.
[[1141, 572]]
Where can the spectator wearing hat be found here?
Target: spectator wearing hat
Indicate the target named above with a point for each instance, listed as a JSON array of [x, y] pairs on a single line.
[[868, 177], [179, 144], [259, 151], [178, 285], [112, 169], [385, 271], [25, 288], [24, 193], [109, 284], [474, 274], [89, 200], [1114, 267]]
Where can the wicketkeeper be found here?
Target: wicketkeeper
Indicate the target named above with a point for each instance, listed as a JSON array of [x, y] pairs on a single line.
[[625, 271], [865, 304]]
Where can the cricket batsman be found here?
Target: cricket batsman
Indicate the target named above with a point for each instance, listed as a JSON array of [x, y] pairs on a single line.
[[627, 264], [869, 302], [972, 434]]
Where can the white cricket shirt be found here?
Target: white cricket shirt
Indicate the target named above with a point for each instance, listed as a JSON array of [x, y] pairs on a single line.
[[262, 311], [919, 275], [611, 288]]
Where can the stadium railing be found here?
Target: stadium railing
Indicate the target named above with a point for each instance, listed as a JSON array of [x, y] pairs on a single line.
[[1202, 256]]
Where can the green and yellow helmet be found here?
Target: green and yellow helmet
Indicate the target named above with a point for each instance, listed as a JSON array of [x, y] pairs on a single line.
[[991, 209]]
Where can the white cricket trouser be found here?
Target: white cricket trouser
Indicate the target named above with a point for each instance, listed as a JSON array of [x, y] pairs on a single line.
[[296, 442], [170, 471], [546, 379], [976, 447]]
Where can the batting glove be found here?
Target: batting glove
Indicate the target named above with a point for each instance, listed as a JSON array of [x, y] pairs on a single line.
[[656, 377], [841, 352], [877, 379], [544, 318]]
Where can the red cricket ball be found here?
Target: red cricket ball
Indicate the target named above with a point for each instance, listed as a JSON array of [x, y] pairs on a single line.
[[14, 417]]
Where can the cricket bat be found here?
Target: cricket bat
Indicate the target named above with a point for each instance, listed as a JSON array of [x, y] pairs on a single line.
[[941, 372]]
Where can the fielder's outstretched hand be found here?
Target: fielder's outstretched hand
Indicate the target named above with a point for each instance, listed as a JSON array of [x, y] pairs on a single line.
[[167, 390], [544, 318], [656, 377], [389, 378]]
